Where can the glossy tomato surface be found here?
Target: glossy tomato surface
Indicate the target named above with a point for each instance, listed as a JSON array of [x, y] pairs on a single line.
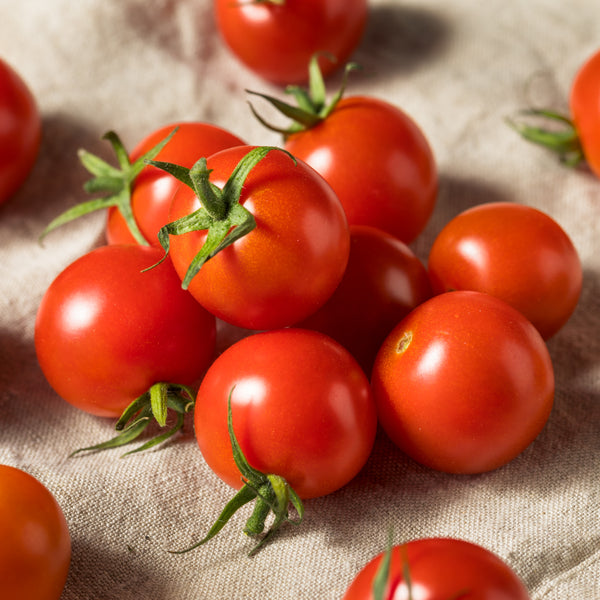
[[153, 188], [464, 383], [20, 131], [35, 552], [301, 408], [441, 569], [378, 162], [585, 110], [514, 252], [276, 40], [384, 280], [285, 268], [105, 332]]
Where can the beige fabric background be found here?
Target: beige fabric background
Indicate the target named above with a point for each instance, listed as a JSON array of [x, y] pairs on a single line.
[[458, 68]]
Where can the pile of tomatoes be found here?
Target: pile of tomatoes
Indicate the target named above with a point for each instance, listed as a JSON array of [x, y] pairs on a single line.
[[301, 255]]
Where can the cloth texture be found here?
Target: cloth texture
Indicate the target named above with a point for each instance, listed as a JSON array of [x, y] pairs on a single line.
[[459, 69]]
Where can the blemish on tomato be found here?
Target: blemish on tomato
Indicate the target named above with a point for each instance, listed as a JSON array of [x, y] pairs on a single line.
[[404, 342]]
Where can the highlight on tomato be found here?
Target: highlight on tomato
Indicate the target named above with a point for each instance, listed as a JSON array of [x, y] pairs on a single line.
[[20, 131], [437, 568], [302, 412], [276, 38], [258, 237], [35, 553], [115, 341], [374, 155], [384, 280], [464, 383], [137, 195], [576, 139], [515, 252]]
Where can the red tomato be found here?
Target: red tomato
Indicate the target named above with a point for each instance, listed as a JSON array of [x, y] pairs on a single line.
[[20, 131], [153, 188], [441, 569], [277, 38], [514, 252], [464, 383], [301, 408], [377, 161], [288, 265], [35, 552], [106, 332], [585, 110], [383, 282]]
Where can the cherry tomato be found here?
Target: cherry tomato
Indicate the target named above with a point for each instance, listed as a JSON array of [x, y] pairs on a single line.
[[20, 131], [585, 110], [301, 408], [377, 161], [153, 188], [35, 552], [514, 252], [464, 383], [288, 265], [440, 569], [383, 282], [276, 38], [105, 332]]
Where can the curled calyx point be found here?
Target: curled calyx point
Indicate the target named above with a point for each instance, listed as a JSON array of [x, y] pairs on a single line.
[[404, 342]]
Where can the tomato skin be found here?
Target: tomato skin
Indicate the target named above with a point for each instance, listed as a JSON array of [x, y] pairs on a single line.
[[464, 383], [287, 266], [514, 252], [301, 408], [441, 568], [378, 162], [105, 332], [153, 188], [277, 42], [35, 552], [585, 110], [384, 280], [20, 131]]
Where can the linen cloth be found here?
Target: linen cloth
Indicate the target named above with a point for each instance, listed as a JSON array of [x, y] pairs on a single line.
[[458, 68]]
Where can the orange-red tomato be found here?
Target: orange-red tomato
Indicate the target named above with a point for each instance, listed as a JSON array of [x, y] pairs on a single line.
[[464, 383], [35, 545], [514, 252]]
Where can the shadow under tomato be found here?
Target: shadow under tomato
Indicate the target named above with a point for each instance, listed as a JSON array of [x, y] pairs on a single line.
[[400, 39]]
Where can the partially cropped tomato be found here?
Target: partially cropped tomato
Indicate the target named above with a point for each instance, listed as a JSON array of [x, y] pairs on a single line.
[[276, 38], [377, 160], [464, 383], [301, 409], [383, 282], [284, 268], [106, 332], [439, 569], [153, 189], [20, 131], [515, 252], [35, 552]]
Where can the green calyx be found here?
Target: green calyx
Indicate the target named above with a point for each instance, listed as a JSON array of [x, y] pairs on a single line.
[[271, 493], [311, 104], [221, 213], [115, 183], [563, 141], [152, 405]]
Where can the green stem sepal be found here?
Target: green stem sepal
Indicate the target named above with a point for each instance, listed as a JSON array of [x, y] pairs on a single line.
[[115, 183], [271, 493], [220, 214], [563, 141], [153, 405], [311, 104]]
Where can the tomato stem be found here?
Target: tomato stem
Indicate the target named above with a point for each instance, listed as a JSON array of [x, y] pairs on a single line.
[[115, 183], [271, 493]]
